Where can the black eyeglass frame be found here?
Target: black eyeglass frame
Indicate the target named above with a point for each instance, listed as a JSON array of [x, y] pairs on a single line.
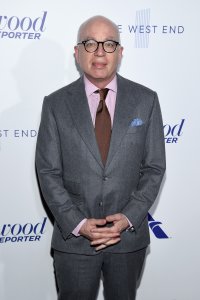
[[84, 42]]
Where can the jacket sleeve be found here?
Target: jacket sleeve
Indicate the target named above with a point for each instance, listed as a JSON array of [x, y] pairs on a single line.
[[152, 169], [49, 170]]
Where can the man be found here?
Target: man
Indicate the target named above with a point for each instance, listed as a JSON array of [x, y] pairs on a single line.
[[100, 159]]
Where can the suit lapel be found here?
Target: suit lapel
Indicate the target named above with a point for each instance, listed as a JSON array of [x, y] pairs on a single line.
[[79, 108], [124, 110]]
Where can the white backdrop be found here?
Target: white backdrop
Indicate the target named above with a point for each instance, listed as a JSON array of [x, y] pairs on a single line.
[[161, 42]]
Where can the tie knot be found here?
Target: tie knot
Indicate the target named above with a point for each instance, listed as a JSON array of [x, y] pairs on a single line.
[[103, 93]]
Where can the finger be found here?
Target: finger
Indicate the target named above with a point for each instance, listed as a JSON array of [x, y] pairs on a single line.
[[103, 230], [112, 218], [112, 241], [100, 241], [98, 236], [98, 221], [108, 243], [100, 247]]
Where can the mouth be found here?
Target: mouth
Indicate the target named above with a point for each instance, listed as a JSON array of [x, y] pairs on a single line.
[[99, 65]]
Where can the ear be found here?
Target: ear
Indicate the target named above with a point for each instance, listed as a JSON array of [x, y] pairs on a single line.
[[121, 51], [76, 53]]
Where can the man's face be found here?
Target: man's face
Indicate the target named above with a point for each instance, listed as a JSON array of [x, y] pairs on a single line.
[[99, 67]]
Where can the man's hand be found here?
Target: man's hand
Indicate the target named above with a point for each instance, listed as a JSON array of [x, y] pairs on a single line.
[[120, 223], [89, 227]]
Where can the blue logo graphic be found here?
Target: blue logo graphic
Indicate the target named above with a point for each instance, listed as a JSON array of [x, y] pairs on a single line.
[[22, 28], [156, 229], [142, 28], [172, 133], [17, 233]]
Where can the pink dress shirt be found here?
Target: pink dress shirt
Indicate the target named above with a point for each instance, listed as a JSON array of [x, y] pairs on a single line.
[[93, 102], [93, 98]]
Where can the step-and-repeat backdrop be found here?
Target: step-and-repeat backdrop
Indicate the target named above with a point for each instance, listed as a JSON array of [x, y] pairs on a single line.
[[161, 50]]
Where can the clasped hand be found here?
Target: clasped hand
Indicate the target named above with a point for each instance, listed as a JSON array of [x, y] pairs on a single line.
[[101, 237]]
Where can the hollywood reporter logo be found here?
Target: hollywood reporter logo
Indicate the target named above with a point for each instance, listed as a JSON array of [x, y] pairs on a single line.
[[16, 233], [173, 132], [14, 27]]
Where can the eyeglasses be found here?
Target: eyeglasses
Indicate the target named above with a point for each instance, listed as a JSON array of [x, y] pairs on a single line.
[[92, 45]]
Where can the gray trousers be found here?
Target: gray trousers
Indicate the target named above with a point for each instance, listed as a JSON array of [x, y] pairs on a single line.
[[78, 276]]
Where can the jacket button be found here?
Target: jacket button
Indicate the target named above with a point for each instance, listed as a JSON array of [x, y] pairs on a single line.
[[105, 178], [101, 203]]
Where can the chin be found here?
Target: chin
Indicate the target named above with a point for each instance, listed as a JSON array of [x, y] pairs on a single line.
[[100, 75]]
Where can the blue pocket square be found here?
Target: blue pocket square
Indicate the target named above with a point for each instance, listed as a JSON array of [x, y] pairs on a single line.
[[136, 122]]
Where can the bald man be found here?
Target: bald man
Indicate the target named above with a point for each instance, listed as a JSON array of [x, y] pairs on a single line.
[[100, 160]]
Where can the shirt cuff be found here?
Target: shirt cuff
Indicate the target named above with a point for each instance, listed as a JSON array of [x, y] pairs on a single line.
[[78, 227], [130, 228]]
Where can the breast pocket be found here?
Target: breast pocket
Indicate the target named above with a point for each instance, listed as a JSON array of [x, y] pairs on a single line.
[[135, 129], [135, 139]]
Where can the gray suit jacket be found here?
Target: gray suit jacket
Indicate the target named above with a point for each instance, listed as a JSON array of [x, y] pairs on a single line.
[[73, 180]]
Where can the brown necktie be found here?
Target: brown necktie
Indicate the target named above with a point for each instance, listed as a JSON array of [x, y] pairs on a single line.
[[103, 125]]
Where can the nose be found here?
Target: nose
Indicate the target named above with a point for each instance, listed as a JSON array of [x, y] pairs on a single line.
[[100, 51]]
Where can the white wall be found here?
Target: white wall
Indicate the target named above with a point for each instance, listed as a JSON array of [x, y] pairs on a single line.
[[36, 58]]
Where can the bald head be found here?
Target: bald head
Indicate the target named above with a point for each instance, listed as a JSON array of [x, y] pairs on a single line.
[[99, 66], [85, 28]]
